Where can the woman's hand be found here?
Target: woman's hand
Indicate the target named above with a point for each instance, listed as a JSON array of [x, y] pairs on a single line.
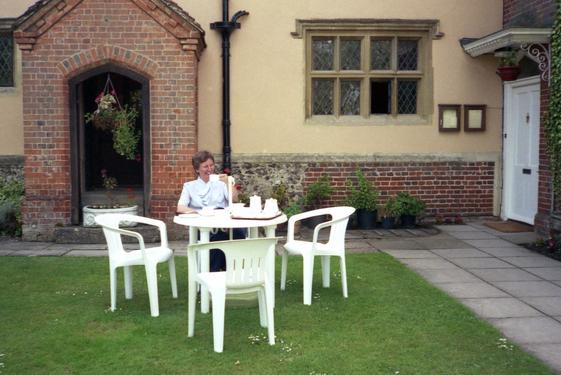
[[181, 209]]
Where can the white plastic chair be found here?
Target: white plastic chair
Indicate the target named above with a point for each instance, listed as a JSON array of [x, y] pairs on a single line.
[[246, 272], [335, 246], [149, 257]]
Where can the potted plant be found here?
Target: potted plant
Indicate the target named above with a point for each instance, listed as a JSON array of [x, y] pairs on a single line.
[[317, 192], [119, 120], [114, 206], [409, 207], [508, 68], [292, 209], [363, 197], [390, 213]]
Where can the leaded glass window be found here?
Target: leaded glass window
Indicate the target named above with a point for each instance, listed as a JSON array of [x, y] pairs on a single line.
[[368, 74], [380, 54], [407, 54], [350, 54], [322, 92], [350, 97], [406, 97], [6, 59], [323, 52]]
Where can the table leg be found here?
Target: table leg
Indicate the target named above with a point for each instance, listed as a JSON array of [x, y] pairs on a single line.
[[270, 232], [205, 259]]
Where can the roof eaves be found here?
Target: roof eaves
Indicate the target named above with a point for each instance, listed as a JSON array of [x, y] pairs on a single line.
[[511, 37]]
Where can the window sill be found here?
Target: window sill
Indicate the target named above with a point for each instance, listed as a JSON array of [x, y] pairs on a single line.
[[373, 120]]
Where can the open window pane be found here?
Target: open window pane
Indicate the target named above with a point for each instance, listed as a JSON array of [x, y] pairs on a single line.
[[350, 54], [406, 97], [323, 52], [407, 54], [322, 96], [380, 54], [350, 97], [6, 59], [380, 97]]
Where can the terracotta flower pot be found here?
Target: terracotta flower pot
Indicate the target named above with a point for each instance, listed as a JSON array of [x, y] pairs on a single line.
[[508, 73]]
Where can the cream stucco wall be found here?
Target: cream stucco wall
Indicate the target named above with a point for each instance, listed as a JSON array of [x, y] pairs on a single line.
[[268, 78], [11, 110]]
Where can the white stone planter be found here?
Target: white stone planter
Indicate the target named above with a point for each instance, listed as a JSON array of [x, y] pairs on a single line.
[[90, 214]]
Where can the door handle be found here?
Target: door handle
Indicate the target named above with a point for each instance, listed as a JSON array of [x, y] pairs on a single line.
[[526, 171]]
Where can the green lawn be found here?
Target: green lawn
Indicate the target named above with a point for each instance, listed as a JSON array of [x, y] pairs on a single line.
[[54, 319]]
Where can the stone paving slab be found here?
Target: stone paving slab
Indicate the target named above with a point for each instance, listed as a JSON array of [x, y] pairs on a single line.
[[441, 243], [489, 243], [396, 245], [428, 263], [503, 274], [20, 245], [471, 290], [519, 238], [86, 253], [533, 261], [532, 330], [473, 235], [456, 228], [4, 252], [470, 263], [461, 253], [501, 252], [412, 254], [500, 308], [529, 288], [547, 273], [449, 275], [549, 305]]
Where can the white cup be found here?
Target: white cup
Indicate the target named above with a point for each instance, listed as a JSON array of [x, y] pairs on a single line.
[[255, 203], [271, 206], [214, 177]]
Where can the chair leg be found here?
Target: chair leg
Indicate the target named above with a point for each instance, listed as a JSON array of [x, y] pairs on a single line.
[[192, 308], [113, 287], [127, 270], [344, 276], [325, 268], [270, 315], [171, 264], [152, 280], [218, 306], [308, 270], [261, 297], [284, 266]]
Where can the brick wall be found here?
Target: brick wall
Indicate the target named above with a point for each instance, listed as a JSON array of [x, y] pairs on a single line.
[[532, 13], [62, 41]]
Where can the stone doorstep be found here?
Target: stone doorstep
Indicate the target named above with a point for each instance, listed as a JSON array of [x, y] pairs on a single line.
[[90, 235]]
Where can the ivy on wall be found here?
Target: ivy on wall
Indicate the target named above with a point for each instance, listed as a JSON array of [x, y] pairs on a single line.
[[553, 119]]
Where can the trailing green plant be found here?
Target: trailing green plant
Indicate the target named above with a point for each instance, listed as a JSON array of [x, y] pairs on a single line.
[[408, 205], [119, 120], [553, 119], [509, 58], [11, 197], [318, 191], [363, 195]]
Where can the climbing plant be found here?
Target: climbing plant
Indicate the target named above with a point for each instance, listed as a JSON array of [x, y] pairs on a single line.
[[553, 119]]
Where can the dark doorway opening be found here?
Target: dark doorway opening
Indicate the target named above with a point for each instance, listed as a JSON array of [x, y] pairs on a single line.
[[92, 148]]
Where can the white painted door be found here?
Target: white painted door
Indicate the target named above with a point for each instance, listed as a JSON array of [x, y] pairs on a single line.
[[521, 149]]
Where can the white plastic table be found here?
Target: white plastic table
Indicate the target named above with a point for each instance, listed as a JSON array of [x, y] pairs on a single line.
[[221, 219]]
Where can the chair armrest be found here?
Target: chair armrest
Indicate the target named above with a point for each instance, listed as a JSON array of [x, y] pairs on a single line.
[[298, 217], [322, 226], [130, 233], [154, 222]]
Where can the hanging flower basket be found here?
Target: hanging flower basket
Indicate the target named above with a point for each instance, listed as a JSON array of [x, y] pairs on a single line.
[[120, 120]]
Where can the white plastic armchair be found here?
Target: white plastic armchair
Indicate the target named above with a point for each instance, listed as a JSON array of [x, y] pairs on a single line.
[[149, 257], [335, 246], [246, 272]]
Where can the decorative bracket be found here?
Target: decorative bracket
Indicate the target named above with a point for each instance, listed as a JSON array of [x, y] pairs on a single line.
[[541, 54]]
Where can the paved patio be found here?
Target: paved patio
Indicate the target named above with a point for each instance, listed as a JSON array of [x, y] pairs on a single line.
[[514, 289]]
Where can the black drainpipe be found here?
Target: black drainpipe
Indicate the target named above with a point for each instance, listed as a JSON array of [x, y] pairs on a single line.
[[226, 27]]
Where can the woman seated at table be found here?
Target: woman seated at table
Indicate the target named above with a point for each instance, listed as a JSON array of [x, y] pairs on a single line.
[[202, 193]]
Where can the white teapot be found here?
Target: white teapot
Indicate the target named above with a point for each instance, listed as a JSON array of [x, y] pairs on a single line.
[[255, 203]]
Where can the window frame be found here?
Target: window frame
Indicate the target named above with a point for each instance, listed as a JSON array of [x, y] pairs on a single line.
[[424, 31]]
